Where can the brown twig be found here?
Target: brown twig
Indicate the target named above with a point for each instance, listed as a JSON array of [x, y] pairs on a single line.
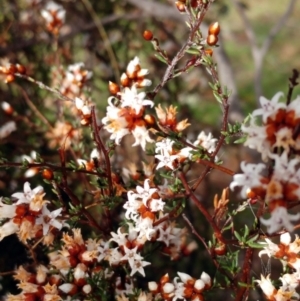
[[191, 195], [245, 278], [292, 84], [101, 148], [216, 263]]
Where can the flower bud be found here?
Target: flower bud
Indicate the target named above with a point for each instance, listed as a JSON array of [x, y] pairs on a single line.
[[186, 278], [153, 286], [220, 249], [12, 68], [47, 174], [168, 288], [68, 288], [87, 289], [206, 279], [125, 81], [148, 35], [180, 6], [21, 69], [209, 51], [199, 286], [214, 29], [212, 40], [7, 108], [164, 279], [149, 119], [113, 88], [9, 78]]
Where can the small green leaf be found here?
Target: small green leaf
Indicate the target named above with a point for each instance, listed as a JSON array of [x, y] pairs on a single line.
[[161, 58], [240, 140], [255, 245], [238, 236], [218, 97]]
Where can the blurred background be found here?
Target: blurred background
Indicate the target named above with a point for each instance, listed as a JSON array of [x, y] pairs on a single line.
[[105, 36]]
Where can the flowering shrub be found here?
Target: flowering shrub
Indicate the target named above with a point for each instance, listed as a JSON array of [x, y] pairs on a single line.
[[101, 226]]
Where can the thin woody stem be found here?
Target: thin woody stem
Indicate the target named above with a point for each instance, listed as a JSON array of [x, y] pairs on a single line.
[[101, 147], [191, 195]]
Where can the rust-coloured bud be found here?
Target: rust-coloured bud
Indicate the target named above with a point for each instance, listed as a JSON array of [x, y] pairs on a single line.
[[21, 210], [209, 51], [29, 218], [47, 174], [148, 35], [40, 293], [212, 40], [85, 121], [251, 194], [9, 78], [12, 68], [20, 68], [73, 261], [74, 249], [164, 279], [149, 215], [149, 119], [55, 279], [220, 249], [214, 28], [180, 6], [113, 88], [80, 282], [125, 81], [29, 297], [188, 292]]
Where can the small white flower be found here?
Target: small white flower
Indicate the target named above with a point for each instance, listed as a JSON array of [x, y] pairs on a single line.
[[145, 193], [165, 235], [53, 8], [164, 145], [206, 141], [141, 136], [249, 179], [266, 286], [28, 195], [130, 98], [280, 218], [269, 108], [48, 219], [8, 228], [166, 160]]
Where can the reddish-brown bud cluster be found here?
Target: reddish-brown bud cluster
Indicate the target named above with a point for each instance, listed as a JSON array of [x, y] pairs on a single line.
[[213, 32], [134, 75], [10, 70], [192, 288]]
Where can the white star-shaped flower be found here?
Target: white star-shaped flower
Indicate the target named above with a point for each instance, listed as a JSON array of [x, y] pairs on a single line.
[[130, 98], [48, 219]]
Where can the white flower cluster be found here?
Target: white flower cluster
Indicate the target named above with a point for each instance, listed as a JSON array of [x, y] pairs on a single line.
[[126, 111], [288, 253], [29, 216], [278, 140]]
